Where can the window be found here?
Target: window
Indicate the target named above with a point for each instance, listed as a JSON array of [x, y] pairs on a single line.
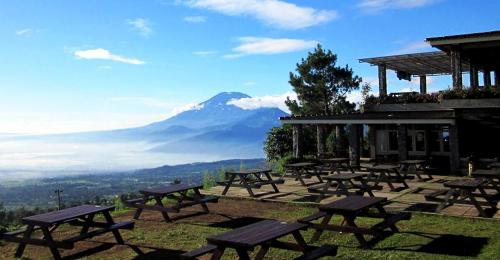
[[415, 141], [440, 140], [387, 141]]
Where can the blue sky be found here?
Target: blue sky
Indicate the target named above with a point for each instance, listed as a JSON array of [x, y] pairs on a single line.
[[90, 65]]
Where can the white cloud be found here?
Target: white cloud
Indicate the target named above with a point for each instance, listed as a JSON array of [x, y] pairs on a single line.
[[205, 54], [276, 13], [412, 47], [195, 19], [375, 6], [172, 107], [249, 83], [103, 54], [268, 46], [264, 101], [27, 32], [142, 26]]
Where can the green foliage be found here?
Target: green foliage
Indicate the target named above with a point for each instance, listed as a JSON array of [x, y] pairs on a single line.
[[321, 85], [208, 180], [222, 173], [278, 143]]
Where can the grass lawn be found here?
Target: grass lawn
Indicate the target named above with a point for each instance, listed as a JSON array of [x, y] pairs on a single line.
[[422, 237]]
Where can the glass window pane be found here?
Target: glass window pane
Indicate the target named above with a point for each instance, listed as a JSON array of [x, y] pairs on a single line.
[[435, 138], [446, 139], [420, 141]]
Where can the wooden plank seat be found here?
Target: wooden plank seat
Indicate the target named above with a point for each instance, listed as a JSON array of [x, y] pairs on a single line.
[[415, 167], [463, 191], [178, 192], [77, 216], [386, 173], [324, 250], [303, 170], [351, 208], [250, 179], [491, 176], [265, 235], [344, 184]]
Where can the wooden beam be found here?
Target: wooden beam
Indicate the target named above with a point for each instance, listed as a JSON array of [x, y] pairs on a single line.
[[297, 140], [423, 84], [382, 80], [372, 140], [354, 144], [474, 79], [320, 139], [454, 149], [456, 68], [402, 149], [497, 78], [487, 78]]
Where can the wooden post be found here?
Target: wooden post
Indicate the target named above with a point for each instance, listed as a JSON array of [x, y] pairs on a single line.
[[339, 141], [382, 80], [497, 79], [372, 140], [297, 141], [423, 84], [354, 144], [456, 68], [320, 139], [474, 79], [487, 78], [454, 149], [402, 149]]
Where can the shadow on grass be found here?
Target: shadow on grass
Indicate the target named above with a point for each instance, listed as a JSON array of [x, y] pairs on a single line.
[[233, 223], [445, 244], [423, 207], [307, 198]]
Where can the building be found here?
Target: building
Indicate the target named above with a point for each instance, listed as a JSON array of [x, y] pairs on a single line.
[[444, 127]]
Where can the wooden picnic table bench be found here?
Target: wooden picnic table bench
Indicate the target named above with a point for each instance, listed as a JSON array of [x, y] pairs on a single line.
[[343, 183], [336, 164], [463, 191], [178, 192], [351, 208], [252, 178], [491, 176], [303, 170], [495, 165], [77, 216], [416, 167], [386, 173], [263, 234]]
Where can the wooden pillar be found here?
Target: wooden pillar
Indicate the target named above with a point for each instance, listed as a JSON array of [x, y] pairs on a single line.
[[297, 141], [320, 139], [382, 80], [497, 78], [454, 150], [487, 78], [456, 68], [354, 144], [372, 139], [423, 84], [474, 79], [428, 141], [339, 141], [402, 149]]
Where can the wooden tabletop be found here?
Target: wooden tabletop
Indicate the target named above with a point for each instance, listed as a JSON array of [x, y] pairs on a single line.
[[170, 189], [59, 216], [412, 161], [488, 173], [249, 171], [465, 183], [300, 164], [384, 167], [495, 165], [345, 176], [352, 204], [334, 160], [255, 234]]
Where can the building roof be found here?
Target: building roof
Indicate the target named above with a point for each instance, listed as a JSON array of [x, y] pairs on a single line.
[[465, 38], [426, 63]]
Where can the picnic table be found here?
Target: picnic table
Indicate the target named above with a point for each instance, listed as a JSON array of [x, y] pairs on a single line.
[[386, 173], [343, 182], [77, 216], [415, 167], [495, 165], [463, 191], [178, 192], [303, 170], [335, 164], [264, 234], [351, 208], [252, 178]]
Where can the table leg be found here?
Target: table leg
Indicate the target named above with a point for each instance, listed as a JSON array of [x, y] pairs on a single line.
[[299, 177], [48, 238], [385, 175], [217, 254], [88, 222], [262, 252], [384, 214], [139, 210], [243, 254], [318, 232], [365, 187], [163, 213], [247, 186], [323, 192], [349, 220], [400, 178], [229, 182], [268, 176], [22, 246], [197, 198], [116, 233], [471, 197], [446, 200], [300, 241]]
